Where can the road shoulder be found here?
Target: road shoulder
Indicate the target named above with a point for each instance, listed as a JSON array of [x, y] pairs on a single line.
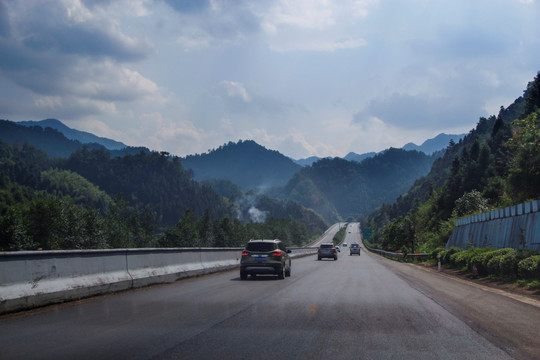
[[510, 321]]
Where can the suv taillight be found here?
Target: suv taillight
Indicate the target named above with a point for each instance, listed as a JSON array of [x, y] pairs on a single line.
[[276, 253], [245, 253]]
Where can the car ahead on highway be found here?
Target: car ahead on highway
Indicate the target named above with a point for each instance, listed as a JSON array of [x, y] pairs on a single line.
[[344, 244], [354, 249], [327, 250], [265, 257]]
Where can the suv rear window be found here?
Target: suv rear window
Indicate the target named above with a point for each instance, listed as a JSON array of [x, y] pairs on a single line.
[[326, 246], [261, 246], [354, 245]]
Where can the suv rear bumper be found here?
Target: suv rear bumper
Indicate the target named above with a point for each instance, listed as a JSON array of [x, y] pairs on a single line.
[[266, 269]]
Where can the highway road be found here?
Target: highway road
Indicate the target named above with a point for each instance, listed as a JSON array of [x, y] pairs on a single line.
[[359, 307]]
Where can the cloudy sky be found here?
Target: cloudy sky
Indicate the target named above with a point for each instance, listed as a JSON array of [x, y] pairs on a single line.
[[304, 77]]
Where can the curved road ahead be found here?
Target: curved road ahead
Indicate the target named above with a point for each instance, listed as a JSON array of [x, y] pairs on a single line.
[[357, 307]]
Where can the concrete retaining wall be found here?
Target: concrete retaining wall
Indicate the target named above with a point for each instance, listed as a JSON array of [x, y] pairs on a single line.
[[512, 227], [30, 279]]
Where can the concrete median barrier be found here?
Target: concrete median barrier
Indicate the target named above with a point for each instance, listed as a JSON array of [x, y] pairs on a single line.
[[35, 278], [30, 279]]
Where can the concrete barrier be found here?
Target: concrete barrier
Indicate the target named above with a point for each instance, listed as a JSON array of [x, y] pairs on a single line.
[[34, 278], [29, 279], [515, 227]]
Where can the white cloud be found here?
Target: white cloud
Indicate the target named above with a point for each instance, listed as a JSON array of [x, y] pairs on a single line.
[[314, 25], [318, 45], [185, 77], [190, 43], [108, 81], [165, 134], [307, 14], [235, 89], [422, 111], [72, 58]]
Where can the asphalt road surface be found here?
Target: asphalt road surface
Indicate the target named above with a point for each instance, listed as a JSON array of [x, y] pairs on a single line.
[[359, 307]]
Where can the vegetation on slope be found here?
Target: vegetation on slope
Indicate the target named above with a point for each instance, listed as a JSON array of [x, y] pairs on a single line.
[[338, 188], [92, 200], [497, 164]]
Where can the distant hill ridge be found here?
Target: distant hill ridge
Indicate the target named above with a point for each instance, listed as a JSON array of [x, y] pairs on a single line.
[[428, 147], [54, 142], [72, 134]]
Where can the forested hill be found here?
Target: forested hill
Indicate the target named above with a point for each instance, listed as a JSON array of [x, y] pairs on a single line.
[[150, 181], [338, 188], [146, 181], [245, 163], [496, 165], [49, 140], [52, 141], [92, 200]]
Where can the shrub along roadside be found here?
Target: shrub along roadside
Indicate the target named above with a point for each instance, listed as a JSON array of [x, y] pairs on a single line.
[[507, 264], [340, 236]]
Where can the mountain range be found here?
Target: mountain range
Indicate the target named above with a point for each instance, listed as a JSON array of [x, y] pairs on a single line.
[[321, 186], [72, 134], [53, 141], [428, 147]]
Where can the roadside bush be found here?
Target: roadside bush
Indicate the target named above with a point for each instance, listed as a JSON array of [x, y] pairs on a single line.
[[508, 263], [458, 259], [529, 268], [465, 258], [436, 252], [447, 254], [483, 261], [492, 265]]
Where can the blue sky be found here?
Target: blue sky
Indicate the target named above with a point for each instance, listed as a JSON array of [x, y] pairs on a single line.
[[304, 77]]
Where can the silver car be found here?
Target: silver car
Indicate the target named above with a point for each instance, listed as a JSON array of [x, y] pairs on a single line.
[[354, 249]]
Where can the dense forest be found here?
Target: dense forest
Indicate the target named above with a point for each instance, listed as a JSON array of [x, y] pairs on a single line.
[[94, 200], [338, 189], [497, 164]]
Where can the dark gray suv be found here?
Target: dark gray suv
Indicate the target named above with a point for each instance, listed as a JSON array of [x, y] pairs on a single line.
[[265, 257], [327, 250]]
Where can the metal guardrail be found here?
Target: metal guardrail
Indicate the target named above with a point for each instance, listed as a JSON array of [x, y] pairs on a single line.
[[420, 256]]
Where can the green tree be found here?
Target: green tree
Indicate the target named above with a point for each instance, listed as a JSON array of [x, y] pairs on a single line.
[[470, 203], [13, 232], [524, 171], [44, 223], [532, 96]]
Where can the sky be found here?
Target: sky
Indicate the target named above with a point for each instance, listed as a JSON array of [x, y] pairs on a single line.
[[304, 77]]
